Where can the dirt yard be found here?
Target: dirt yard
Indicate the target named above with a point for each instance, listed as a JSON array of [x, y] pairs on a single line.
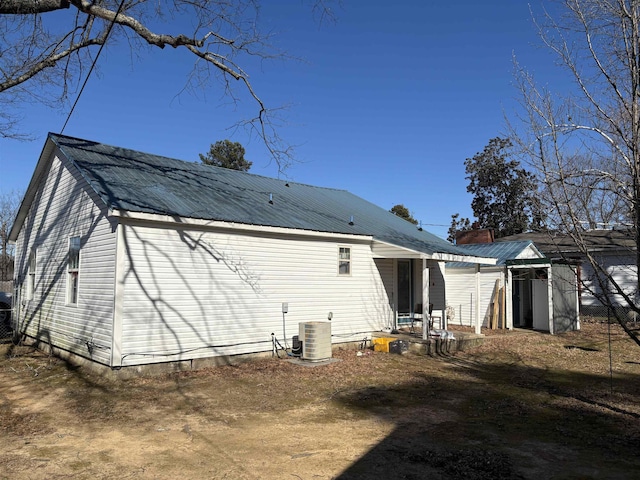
[[523, 405]]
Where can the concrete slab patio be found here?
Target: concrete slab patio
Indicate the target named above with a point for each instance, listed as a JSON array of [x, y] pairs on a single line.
[[455, 341]]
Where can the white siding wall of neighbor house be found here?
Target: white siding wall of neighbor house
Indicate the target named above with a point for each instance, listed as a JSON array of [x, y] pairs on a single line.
[[622, 269], [193, 294], [62, 209], [460, 289]]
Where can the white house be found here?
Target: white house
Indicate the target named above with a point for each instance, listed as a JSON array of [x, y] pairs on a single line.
[[126, 258], [539, 293]]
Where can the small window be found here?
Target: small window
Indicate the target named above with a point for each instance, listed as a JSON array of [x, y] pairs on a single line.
[[73, 270], [31, 280], [344, 261]]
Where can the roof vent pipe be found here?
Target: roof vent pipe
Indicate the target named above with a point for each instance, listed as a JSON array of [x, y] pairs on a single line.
[[271, 198], [351, 220]]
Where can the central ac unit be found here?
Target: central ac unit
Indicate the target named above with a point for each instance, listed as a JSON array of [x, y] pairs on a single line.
[[316, 340]]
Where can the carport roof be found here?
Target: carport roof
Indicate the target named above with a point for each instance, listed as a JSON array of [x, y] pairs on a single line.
[[502, 251]]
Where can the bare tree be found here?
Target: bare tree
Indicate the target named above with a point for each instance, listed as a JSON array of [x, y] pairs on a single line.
[[48, 46], [596, 201], [9, 203], [584, 143]]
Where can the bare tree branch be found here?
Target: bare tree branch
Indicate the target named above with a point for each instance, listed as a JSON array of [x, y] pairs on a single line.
[[585, 144], [21, 7], [40, 56]]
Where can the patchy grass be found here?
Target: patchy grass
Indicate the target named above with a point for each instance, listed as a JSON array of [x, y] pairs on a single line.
[[522, 405]]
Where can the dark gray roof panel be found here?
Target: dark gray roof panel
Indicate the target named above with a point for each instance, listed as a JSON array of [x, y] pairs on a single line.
[[555, 243], [140, 182]]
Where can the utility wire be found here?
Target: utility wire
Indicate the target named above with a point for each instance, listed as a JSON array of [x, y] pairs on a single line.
[[95, 60]]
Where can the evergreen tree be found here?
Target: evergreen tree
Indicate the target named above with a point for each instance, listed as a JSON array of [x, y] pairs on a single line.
[[403, 212], [226, 154], [504, 193]]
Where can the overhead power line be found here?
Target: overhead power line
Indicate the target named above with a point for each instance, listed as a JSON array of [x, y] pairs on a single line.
[[95, 60]]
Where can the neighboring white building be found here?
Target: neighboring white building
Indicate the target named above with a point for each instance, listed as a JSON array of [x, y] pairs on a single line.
[[613, 250], [127, 258], [538, 293]]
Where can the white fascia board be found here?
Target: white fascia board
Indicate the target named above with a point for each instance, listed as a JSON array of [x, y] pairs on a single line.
[[450, 257], [530, 265], [380, 248], [41, 168], [126, 217]]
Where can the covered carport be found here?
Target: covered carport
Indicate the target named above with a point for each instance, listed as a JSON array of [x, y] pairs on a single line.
[[418, 279], [543, 295]]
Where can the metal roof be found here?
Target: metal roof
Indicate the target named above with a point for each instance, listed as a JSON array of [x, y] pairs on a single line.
[[502, 251], [134, 181], [556, 243]]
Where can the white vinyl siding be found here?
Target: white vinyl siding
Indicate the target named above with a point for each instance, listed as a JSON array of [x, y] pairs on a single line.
[[61, 209], [205, 293], [461, 293], [529, 252], [623, 272]]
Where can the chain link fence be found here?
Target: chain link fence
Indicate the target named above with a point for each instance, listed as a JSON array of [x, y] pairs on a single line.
[[605, 314], [6, 331]]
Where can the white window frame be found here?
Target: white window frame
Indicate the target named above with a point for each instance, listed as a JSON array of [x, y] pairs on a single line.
[[344, 260], [31, 275], [73, 270]]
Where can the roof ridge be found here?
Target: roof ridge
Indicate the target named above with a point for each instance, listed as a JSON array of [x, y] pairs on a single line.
[[189, 163]]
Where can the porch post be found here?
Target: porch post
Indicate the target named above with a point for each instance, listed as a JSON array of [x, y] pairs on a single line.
[[477, 301], [444, 321], [509, 298], [425, 299]]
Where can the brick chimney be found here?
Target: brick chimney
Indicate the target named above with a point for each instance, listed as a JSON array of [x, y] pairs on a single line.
[[480, 235]]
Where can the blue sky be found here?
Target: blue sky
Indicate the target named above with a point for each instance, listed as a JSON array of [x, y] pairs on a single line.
[[387, 103]]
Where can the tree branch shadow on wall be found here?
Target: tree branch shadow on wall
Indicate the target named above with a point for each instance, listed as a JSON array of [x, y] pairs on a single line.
[[39, 318]]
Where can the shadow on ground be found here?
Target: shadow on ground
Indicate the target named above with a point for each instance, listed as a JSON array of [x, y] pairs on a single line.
[[496, 421]]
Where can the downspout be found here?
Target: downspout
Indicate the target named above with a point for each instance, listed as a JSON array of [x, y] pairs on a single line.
[[118, 298]]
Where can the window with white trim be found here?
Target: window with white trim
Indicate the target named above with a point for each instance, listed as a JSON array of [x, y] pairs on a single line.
[[73, 270], [31, 276], [344, 260]]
